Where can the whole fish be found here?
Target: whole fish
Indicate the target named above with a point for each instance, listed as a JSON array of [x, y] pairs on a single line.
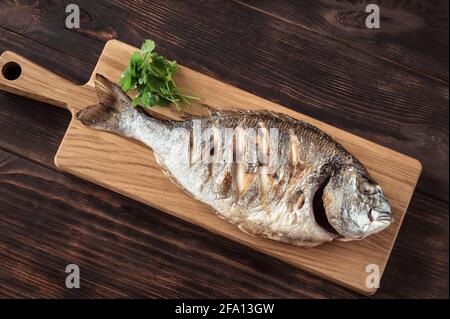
[[301, 187]]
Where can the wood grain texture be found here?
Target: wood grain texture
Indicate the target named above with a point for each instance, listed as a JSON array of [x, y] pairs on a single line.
[[412, 33], [418, 266], [269, 57], [129, 168], [125, 249], [24, 131]]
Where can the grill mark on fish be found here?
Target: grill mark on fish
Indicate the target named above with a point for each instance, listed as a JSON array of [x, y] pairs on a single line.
[[265, 198], [226, 184], [240, 179], [300, 201], [214, 151], [294, 150], [264, 153], [249, 198], [276, 188]]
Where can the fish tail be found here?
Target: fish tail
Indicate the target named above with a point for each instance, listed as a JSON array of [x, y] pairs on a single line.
[[112, 101]]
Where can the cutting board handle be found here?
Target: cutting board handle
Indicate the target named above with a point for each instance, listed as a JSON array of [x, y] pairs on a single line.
[[23, 77]]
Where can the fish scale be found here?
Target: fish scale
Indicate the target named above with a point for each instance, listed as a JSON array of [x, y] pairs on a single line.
[[276, 200]]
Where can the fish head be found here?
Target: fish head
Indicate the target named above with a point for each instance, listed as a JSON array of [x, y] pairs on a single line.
[[355, 205]]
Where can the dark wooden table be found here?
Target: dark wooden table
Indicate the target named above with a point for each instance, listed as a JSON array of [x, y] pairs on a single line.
[[389, 85]]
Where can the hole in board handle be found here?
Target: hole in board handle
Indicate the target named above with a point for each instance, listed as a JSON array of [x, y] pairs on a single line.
[[11, 71]]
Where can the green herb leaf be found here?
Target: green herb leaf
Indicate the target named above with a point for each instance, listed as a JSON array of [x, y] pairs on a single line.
[[151, 75], [125, 81], [136, 101], [147, 47], [136, 59]]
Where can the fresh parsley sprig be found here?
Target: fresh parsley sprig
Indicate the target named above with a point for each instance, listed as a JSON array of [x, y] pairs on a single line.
[[151, 75]]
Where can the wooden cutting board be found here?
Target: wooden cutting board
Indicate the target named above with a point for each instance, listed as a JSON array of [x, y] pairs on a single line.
[[129, 168]]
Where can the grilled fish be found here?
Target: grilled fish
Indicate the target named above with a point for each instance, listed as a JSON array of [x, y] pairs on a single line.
[[301, 187]]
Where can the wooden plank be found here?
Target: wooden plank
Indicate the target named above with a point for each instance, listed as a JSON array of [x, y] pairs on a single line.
[[37, 135], [71, 67], [424, 238], [404, 25], [30, 128], [124, 249], [110, 163], [305, 71]]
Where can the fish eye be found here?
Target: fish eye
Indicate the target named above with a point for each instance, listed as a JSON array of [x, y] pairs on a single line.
[[367, 188]]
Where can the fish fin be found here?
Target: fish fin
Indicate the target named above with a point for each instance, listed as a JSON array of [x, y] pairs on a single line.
[[236, 111], [211, 110], [156, 115], [109, 93], [112, 101], [205, 112]]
